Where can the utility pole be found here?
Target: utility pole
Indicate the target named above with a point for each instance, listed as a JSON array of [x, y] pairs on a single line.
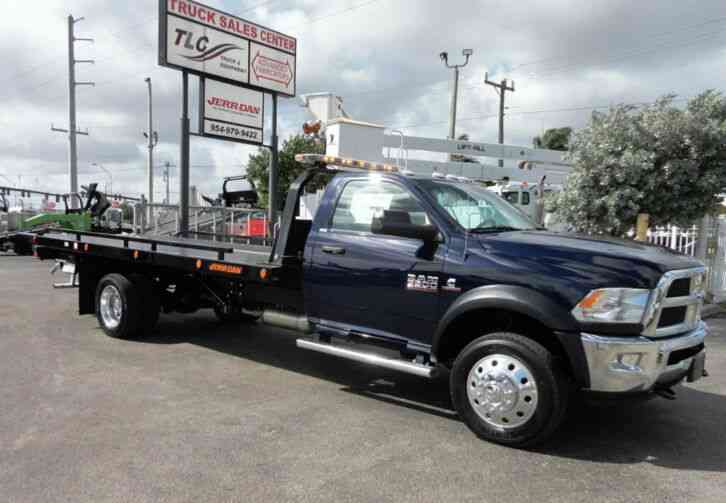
[[501, 89], [167, 178], [153, 138], [72, 130], [455, 90]]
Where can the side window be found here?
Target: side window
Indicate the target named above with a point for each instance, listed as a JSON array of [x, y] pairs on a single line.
[[512, 197], [525, 198], [362, 200]]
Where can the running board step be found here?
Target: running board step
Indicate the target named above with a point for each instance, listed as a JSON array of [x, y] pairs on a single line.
[[369, 358]]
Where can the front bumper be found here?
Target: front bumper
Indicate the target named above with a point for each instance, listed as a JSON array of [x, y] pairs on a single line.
[[625, 365]]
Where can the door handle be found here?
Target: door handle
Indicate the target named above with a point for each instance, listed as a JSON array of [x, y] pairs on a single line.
[[334, 250]]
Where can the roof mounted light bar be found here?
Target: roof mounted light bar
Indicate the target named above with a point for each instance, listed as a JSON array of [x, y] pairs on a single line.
[[457, 178], [343, 162]]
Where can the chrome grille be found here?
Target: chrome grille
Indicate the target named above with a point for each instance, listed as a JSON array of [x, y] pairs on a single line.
[[680, 287], [675, 304]]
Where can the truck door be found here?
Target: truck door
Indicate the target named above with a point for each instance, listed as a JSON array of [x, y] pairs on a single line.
[[377, 284]]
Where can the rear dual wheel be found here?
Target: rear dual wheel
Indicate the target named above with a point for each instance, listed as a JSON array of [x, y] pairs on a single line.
[[126, 307]]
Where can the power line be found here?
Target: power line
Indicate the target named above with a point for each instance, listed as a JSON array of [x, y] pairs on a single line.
[[343, 11], [566, 68], [655, 35], [28, 70], [530, 112], [261, 4], [136, 73]]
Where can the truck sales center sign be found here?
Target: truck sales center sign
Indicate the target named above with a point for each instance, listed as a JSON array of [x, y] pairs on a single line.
[[211, 43], [233, 112]]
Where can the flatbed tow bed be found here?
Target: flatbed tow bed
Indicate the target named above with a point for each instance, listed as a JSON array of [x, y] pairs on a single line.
[[156, 249], [250, 264], [238, 281]]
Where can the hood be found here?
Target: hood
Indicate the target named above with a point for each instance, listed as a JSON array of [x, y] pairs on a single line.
[[575, 263], [660, 258]]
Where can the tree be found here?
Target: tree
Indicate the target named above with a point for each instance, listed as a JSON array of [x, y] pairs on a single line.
[[658, 159], [554, 139], [289, 169], [460, 157]]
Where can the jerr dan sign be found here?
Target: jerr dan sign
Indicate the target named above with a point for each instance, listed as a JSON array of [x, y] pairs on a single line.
[[232, 112]]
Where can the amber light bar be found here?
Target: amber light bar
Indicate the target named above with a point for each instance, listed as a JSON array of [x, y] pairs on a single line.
[[345, 163]]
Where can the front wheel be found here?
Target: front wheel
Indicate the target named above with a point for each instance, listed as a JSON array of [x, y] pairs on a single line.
[[508, 389]]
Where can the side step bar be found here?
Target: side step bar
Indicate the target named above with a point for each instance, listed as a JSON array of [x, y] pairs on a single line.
[[370, 358]]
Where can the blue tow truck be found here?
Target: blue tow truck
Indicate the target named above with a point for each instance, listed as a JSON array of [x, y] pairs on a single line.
[[425, 275]]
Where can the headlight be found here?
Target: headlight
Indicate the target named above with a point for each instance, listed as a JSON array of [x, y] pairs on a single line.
[[612, 305]]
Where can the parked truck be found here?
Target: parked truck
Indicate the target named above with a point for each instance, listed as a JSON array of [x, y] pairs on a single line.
[[430, 277]]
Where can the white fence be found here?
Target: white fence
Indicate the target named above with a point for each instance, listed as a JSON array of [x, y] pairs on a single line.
[[680, 239], [716, 260], [712, 252]]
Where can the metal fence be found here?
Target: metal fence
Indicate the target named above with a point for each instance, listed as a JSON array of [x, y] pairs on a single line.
[[233, 225]]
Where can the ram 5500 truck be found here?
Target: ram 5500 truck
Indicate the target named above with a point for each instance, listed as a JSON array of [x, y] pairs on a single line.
[[420, 275]]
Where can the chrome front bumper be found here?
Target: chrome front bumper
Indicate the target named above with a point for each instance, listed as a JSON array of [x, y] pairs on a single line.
[[621, 365]]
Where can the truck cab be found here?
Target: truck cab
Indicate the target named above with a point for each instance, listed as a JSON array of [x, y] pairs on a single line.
[[452, 274]]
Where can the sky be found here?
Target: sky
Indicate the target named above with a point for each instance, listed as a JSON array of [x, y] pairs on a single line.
[[381, 56]]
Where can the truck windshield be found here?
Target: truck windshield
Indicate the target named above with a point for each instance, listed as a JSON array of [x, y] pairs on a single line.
[[475, 208]]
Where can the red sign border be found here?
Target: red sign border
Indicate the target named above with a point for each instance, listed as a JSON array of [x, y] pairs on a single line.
[[162, 57]]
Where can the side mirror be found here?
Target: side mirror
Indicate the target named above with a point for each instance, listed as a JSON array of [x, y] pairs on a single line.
[[398, 223]]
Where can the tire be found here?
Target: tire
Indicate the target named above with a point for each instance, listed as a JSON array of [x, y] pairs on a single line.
[[509, 390], [118, 306], [233, 316], [21, 246], [150, 303]]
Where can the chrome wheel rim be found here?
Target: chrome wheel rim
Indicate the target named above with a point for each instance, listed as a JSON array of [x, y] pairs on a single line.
[[111, 306], [502, 391]]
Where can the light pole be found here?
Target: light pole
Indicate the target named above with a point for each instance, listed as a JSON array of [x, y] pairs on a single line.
[[153, 138], [167, 177], [455, 91], [110, 177]]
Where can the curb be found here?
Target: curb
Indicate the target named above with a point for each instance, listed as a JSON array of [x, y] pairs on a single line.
[[711, 310]]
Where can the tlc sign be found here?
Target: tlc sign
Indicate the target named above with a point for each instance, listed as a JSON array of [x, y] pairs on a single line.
[[212, 43]]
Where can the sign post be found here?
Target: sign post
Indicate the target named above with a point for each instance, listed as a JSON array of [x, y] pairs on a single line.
[[274, 172], [237, 61], [184, 159]]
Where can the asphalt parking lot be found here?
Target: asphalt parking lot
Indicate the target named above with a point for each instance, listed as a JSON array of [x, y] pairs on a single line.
[[204, 412]]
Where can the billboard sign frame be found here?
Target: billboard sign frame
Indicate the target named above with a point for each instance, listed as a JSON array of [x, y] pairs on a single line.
[[268, 59]]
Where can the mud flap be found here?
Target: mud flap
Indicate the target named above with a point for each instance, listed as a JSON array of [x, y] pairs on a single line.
[[698, 367]]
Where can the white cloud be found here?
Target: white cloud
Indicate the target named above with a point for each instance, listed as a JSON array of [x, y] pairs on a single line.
[[381, 56]]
